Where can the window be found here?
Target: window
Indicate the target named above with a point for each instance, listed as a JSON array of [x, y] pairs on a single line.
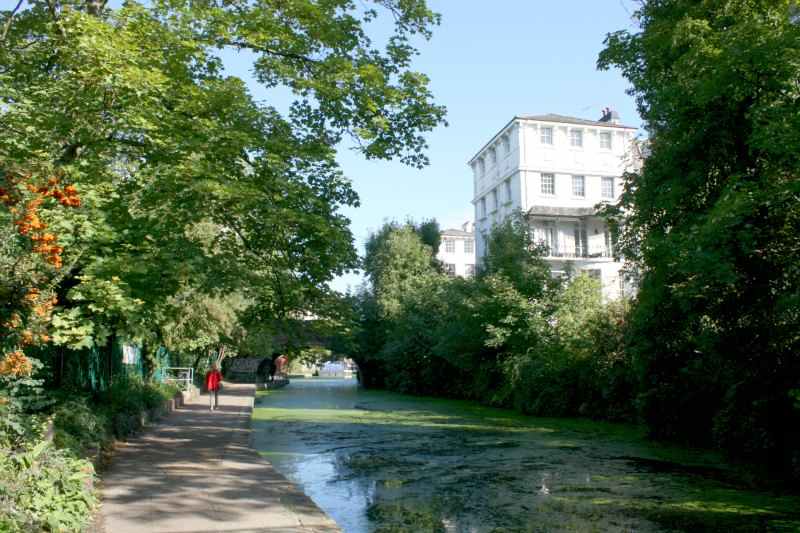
[[483, 206], [492, 156], [506, 145], [605, 140], [607, 188], [482, 165], [450, 268], [551, 238], [469, 246], [580, 237], [548, 184], [578, 186], [469, 270], [449, 246], [507, 186], [576, 138], [546, 135], [494, 200]]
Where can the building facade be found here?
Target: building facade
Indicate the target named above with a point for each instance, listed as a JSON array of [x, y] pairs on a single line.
[[457, 251], [556, 169]]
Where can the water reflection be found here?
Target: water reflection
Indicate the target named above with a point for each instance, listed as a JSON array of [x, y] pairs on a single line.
[[379, 462]]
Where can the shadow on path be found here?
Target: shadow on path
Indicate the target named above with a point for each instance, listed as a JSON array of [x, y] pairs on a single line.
[[195, 472]]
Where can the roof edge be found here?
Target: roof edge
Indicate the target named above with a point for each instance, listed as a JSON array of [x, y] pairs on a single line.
[[524, 117], [490, 141]]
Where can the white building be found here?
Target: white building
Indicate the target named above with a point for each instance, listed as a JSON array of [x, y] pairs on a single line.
[[556, 169], [457, 251]]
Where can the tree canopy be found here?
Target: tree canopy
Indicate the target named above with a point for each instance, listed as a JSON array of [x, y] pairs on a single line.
[[713, 219], [178, 182]]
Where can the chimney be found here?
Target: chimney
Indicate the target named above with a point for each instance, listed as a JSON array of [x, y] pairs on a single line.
[[610, 116]]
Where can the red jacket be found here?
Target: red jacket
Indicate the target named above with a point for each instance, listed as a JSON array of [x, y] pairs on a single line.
[[213, 378]]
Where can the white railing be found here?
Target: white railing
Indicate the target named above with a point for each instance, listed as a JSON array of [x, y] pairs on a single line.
[[593, 252], [183, 376]]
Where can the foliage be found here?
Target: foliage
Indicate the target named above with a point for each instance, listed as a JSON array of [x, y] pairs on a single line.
[[424, 236], [80, 426], [711, 222], [314, 355], [163, 188], [133, 396], [145, 194], [86, 425], [44, 489], [513, 253], [45, 486], [22, 404], [512, 336]]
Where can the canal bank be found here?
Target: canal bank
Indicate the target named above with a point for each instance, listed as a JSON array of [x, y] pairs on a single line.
[[378, 461]]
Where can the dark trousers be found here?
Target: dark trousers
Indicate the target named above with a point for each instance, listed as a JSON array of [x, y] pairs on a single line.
[[213, 398]]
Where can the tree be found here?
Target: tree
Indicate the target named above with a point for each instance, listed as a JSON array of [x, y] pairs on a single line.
[[396, 261], [186, 183], [712, 221], [513, 253]]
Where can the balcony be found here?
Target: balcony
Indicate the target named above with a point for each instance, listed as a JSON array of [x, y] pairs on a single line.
[[593, 252]]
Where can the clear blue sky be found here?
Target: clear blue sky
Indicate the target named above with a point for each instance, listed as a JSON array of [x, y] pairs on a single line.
[[488, 61]]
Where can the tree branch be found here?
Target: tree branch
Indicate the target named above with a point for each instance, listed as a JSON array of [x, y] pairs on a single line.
[[7, 27], [266, 50]]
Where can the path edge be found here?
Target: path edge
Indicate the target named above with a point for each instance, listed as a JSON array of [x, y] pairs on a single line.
[[297, 498]]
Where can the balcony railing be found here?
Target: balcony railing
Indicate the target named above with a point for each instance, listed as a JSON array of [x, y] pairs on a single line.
[[591, 253]]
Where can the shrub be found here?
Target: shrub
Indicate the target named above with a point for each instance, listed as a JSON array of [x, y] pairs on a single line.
[[44, 489], [85, 426], [81, 427], [43, 484], [125, 400]]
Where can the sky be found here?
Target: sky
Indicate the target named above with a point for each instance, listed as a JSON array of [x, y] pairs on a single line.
[[487, 62]]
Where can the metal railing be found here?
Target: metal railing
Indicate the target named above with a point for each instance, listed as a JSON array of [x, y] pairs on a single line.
[[183, 376]]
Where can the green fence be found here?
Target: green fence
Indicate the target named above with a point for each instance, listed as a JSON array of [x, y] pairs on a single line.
[[98, 367]]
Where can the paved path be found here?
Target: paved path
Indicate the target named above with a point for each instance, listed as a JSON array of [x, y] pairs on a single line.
[[195, 472]]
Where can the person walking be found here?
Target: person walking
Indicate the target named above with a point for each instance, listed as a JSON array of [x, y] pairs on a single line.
[[264, 370], [213, 382]]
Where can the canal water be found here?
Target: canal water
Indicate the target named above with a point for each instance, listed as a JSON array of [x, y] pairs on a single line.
[[384, 462]]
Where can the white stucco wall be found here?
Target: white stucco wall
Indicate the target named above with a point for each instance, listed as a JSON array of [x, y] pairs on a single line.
[[462, 259], [516, 155]]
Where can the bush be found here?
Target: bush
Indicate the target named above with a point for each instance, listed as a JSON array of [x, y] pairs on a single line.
[[134, 395], [81, 427], [84, 426], [44, 489], [126, 400], [44, 486]]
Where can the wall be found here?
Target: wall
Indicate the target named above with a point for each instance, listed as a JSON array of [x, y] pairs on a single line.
[[460, 258], [523, 164]]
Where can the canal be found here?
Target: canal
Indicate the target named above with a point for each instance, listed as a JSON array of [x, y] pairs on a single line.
[[384, 462]]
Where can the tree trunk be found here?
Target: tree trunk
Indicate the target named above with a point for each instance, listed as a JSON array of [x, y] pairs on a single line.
[[149, 360]]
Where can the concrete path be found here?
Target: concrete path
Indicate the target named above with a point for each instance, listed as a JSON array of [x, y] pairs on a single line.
[[195, 472]]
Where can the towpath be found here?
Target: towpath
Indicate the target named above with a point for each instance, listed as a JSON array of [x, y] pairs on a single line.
[[195, 472]]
